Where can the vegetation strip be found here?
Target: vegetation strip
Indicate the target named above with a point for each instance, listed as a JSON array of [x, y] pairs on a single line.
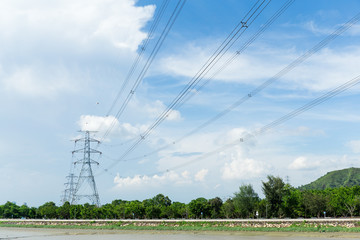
[[281, 201], [350, 225]]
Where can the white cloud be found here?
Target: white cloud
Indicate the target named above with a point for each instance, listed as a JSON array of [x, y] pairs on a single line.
[[81, 22], [200, 176], [311, 26], [300, 131], [246, 68], [244, 169], [154, 109], [326, 69], [232, 135], [335, 115], [354, 146], [38, 81], [102, 124], [46, 47], [323, 71], [191, 145], [185, 63], [302, 163], [314, 28], [167, 178], [189, 153]]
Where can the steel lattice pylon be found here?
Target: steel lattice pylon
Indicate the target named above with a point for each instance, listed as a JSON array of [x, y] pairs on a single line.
[[69, 187], [76, 190]]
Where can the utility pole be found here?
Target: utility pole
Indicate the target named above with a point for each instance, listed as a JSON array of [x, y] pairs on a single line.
[[83, 185]]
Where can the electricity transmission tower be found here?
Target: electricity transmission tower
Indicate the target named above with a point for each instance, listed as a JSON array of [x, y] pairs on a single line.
[[69, 187], [83, 185]]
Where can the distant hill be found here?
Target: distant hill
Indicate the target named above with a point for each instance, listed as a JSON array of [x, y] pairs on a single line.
[[341, 178]]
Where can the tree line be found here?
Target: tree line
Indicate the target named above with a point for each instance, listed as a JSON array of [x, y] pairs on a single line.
[[281, 201]]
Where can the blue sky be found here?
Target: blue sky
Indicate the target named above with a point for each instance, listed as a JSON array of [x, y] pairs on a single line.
[[62, 65]]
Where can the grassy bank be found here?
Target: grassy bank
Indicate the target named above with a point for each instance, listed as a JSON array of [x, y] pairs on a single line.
[[189, 226]]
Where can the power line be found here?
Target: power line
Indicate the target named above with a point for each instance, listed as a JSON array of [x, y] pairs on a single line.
[[229, 41], [143, 47], [195, 80], [345, 86], [139, 56], [150, 59], [261, 87]]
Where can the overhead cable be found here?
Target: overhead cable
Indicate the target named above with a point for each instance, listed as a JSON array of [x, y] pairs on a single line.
[[336, 91], [143, 47], [229, 41], [265, 84], [150, 59]]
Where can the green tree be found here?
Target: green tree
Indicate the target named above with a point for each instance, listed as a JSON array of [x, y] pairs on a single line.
[[262, 207], [274, 190], [118, 202], [228, 209], [292, 202], [11, 210], [48, 210], [215, 205], [88, 211], [135, 209], [63, 212], [119, 208], [157, 207], [315, 203], [119, 211], [152, 212], [161, 201], [351, 196], [24, 211], [344, 201], [75, 211], [33, 213], [106, 211], [178, 210], [199, 208], [245, 201], [337, 201]]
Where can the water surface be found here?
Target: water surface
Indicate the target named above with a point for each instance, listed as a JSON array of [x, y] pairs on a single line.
[[72, 234]]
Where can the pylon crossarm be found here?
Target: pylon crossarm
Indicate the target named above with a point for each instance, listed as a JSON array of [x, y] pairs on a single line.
[[95, 151], [94, 162]]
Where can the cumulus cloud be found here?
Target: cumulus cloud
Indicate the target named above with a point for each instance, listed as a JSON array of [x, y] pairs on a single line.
[[302, 163], [189, 152], [200, 176], [167, 178], [247, 68], [326, 69], [323, 71], [35, 80], [44, 45], [156, 108], [80, 22], [232, 135], [244, 169], [354, 146], [102, 124]]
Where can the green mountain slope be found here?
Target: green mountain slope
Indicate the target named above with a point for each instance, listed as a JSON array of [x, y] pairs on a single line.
[[340, 178]]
